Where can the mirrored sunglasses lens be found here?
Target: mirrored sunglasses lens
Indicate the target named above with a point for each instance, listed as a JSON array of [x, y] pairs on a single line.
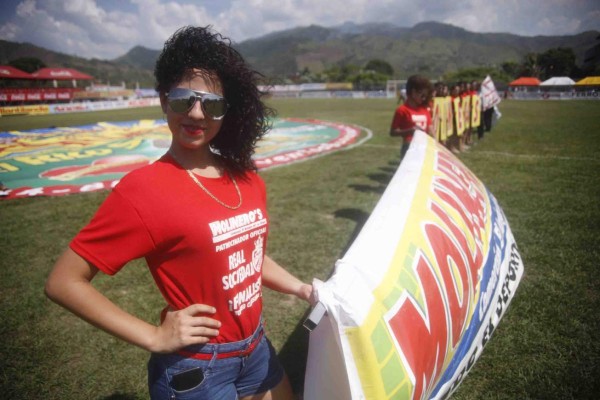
[[181, 100], [182, 105], [215, 107]]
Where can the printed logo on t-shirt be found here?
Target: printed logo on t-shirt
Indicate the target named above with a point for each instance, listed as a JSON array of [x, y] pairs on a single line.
[[242, 281], [420, 121], [231, 231], [241, 271]]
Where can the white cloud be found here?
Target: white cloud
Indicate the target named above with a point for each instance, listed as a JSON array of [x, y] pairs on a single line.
[[108, 29], [26, 8], [9, 31]]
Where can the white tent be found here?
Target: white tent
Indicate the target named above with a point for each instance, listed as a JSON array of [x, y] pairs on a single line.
[[558, 81]]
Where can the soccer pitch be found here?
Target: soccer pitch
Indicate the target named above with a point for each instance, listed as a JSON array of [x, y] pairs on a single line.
[[540, 161]]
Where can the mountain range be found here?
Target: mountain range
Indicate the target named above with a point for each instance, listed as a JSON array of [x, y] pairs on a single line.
[[429, 48]]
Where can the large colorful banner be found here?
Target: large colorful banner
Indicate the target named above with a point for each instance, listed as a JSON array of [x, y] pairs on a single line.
[[59, 161], [420, 291]]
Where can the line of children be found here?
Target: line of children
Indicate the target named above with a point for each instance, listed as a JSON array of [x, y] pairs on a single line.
[[449, 114]]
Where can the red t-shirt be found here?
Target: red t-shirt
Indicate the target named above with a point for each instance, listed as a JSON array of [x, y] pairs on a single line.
[[407, 117], [197, 250]]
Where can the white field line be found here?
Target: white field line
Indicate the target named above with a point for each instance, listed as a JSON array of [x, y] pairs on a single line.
[[505, 154]]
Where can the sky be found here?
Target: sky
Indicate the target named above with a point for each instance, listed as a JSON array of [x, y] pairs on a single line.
[[107, 29]]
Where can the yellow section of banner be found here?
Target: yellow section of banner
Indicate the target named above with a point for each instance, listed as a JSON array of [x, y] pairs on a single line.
[[475, 111], [438, 118], [442, 118], [465, 103], [449, 116], [459, 119]]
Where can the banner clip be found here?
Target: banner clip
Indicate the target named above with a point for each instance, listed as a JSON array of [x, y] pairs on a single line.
[[313, 319]]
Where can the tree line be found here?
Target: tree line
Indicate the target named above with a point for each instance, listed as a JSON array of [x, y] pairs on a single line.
[[559, 61]]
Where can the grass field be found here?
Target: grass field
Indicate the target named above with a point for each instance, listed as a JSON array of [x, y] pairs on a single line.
[[541, 162]]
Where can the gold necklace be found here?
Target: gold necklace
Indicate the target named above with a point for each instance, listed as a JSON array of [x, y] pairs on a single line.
[[193, 176]]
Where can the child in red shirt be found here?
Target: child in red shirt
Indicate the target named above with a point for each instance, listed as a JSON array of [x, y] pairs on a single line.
[[413, 114]]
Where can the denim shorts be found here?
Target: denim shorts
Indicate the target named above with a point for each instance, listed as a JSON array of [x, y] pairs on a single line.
[[177, 376]]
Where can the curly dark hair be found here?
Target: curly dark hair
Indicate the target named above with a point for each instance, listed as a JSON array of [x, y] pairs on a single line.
[[248, 118]]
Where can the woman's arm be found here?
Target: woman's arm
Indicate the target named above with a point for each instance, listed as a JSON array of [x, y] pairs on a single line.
[[69, 285], [276, 278]]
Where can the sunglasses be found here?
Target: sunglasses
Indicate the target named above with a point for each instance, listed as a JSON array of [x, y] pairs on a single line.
[[182, 100]]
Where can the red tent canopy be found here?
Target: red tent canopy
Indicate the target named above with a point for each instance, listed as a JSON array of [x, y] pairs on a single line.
[[525, 81], [8, 72], [60, 74]]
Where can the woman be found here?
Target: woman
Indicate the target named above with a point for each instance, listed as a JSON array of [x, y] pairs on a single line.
[[198, 217]]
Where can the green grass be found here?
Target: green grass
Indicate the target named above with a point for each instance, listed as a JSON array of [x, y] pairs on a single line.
[[541, 162]]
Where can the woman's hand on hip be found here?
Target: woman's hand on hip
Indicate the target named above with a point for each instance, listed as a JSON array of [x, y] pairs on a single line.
[[185, 327]]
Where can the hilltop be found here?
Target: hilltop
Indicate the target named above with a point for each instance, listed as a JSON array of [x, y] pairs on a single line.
[[429, 48]]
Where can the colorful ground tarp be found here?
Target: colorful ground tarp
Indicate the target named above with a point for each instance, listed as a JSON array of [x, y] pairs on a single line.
[[420, 291], [59, 161]]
